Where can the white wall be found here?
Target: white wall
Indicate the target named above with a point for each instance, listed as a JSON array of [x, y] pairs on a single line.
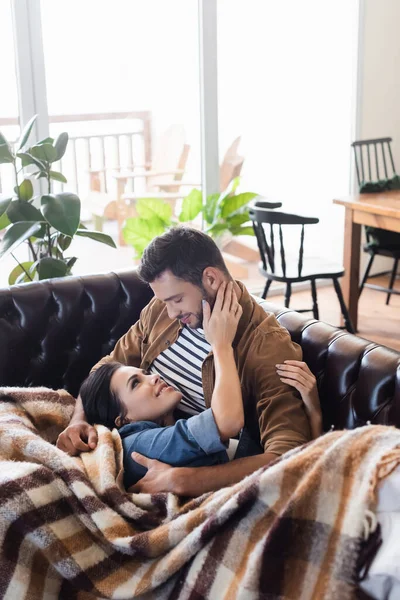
[[379, 110]]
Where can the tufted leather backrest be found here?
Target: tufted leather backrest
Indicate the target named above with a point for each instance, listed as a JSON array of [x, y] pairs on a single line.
[[358, 380], [52, 332]]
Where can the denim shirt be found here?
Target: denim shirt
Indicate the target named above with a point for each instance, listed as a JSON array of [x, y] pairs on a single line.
[[193, 442]]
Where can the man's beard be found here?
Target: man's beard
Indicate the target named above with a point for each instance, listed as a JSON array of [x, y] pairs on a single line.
[[200, 315]]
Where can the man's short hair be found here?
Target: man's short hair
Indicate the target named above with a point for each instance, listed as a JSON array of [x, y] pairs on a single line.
[[184, 251]]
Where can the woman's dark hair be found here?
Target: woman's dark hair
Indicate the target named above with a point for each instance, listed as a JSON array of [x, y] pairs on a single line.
[[184, 251], [100, 403]]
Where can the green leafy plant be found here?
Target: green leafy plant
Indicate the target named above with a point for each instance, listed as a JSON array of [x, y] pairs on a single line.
[[225, 213], [46, 223]]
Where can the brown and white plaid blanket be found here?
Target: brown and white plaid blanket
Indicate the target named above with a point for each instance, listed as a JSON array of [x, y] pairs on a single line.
[[69, 530]]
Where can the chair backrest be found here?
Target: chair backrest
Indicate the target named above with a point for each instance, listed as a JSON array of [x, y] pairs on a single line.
[[232, 151], [174, 177], [231, 165], [374, 159], [169, 148], [266, 236]]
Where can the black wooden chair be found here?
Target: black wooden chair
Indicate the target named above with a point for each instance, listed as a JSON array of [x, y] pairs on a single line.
[[266, 204], [369, 170], [275, 266]]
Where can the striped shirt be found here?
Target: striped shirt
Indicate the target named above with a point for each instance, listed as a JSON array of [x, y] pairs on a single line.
[[180, 366]]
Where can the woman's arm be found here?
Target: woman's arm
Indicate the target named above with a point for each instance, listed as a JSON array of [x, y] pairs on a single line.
[[188, 441], [297, 374], [220, 327]]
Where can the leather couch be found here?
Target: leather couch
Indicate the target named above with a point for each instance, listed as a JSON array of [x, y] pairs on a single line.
[[52, 332]]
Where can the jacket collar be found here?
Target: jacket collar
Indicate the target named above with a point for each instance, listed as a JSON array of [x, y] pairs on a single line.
[[247, 304]]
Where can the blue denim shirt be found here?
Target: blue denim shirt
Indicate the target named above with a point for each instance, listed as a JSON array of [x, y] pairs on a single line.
[[193, 442]]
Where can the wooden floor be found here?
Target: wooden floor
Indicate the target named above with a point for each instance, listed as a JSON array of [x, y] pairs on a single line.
[[377, 322]]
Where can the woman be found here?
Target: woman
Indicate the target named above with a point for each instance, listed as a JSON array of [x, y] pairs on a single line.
[[141, 405]]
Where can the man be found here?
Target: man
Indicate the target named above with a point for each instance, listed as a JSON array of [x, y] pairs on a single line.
[[183, 267]]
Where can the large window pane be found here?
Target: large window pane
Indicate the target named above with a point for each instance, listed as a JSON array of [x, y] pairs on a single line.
[[135, 64], [9, 119], [286, 79]]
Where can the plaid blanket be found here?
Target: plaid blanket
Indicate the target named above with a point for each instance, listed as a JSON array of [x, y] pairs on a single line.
[[69, 530]]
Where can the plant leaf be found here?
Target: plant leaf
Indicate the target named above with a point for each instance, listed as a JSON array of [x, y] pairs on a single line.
[[26, 133], [231, 188], [98, 236], [27, 159], [42, 233], [45, 152], [63, 241], [19, 270], [25, 190], [60, 144], [4, 204], [234, 184], [56, 253], [233, 203], [216, 229], [3, 139], [48, 140], [6, 155], [139, 232], [49, 267], [22, 278], [4, 221], [238, 219], [150, 208], [15, 235], [242, 230], [23, 211], [62, 211], [191, 206], [57, 176], [210, 208], [70, 262]]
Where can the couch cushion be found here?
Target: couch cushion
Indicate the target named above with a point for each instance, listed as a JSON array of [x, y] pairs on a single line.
[[358, 380]]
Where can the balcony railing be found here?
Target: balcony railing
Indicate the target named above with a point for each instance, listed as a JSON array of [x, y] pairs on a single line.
[[103, 142]]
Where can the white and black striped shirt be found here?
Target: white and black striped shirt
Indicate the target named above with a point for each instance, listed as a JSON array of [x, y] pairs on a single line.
[[180, 366]]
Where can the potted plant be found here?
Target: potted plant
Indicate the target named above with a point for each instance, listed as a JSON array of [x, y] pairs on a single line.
[[46, 223], [225, 215]]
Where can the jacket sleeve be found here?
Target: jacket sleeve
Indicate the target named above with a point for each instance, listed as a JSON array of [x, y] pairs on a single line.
[[178, 444], [282, 419], [128, 349]]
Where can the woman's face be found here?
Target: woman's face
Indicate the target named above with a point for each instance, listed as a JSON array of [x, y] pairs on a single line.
[[145, 397]]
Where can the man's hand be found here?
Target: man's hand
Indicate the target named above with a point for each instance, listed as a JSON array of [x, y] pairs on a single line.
[[159, 477], [77, 437], [194, 481]]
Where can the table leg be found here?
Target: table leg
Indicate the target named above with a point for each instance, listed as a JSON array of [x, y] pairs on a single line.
[[352, 242]]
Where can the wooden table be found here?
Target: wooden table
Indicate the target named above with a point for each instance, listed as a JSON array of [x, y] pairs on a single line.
[[378, 210]]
